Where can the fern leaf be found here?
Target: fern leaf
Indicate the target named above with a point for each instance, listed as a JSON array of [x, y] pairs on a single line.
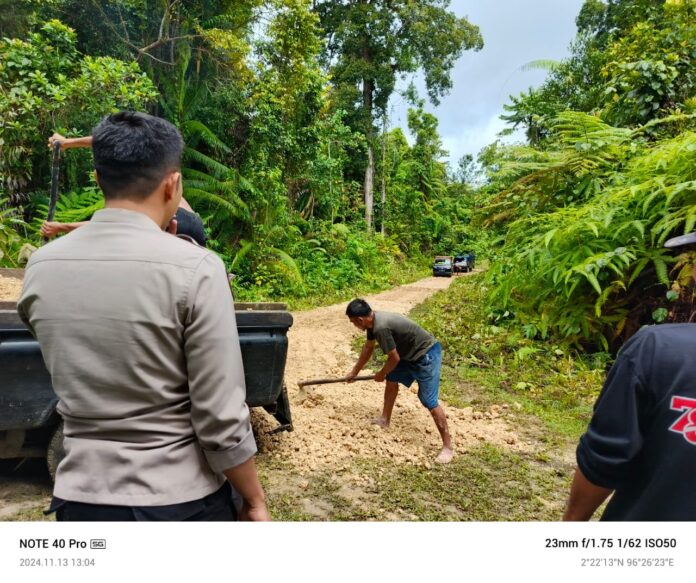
[[661, 270], [243, 251]]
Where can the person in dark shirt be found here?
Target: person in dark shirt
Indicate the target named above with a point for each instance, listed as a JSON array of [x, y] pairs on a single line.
[[641, 441], [412, 355], [186, 223]]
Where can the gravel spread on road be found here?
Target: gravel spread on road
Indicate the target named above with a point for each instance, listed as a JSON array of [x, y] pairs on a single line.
[[10, 288], [332, 424]]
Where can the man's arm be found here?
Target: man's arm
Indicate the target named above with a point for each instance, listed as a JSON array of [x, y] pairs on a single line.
[[66, 143], [86, 142], [185, 205], [365, 355], [393, 359], [219, 414], [245, 480], [52, 228], [607, 451], [584, 498]]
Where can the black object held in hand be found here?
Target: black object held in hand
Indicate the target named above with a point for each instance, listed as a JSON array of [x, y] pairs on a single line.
[[55, 175]]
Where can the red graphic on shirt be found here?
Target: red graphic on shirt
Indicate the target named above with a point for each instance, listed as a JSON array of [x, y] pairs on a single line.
[[686, 424]]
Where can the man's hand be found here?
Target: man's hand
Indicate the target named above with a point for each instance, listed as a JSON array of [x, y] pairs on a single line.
[[56, 137], [255, 513], [350, 377], [380, 376], [245, 481], [51, 228], [171, 227]]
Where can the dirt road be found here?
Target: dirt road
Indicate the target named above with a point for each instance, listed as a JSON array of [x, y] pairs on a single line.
[[332, 425]]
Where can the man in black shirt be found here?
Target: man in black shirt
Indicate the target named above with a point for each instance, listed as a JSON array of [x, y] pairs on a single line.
[[412, 355], [641, 441]]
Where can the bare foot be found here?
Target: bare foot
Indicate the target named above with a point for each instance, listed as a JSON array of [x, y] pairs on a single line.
[[445, 456], [381, 421]]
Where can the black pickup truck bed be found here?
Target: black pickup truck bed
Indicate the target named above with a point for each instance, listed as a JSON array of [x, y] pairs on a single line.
[[28, 417]]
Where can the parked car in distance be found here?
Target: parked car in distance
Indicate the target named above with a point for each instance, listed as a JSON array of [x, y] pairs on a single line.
[[464, 263], [443, 266]]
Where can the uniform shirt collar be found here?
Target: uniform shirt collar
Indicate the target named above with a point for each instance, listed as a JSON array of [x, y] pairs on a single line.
[[113, 215]]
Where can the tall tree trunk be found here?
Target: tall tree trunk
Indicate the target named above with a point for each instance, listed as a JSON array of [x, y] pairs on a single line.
[[368, 185], [384, 182]]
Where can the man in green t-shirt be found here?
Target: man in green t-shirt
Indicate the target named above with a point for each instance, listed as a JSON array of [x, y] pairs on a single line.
[[412, 355]]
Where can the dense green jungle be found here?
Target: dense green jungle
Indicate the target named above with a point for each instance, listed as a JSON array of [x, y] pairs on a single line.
[[308, 192]]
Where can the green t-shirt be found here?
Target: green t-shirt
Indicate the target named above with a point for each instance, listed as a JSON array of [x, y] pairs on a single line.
[[396, 331]]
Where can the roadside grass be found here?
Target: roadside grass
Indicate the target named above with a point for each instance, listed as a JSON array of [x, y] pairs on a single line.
[[486, 363], [483, 484], [33, 514], [25, 490], [399, 274]]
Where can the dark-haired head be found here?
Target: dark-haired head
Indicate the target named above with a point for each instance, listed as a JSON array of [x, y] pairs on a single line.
[[133, 153], [360, 314], [358, 308]]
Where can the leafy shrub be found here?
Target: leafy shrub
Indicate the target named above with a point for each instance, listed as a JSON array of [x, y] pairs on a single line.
[[47, 85], [15, 246], [590, 217]]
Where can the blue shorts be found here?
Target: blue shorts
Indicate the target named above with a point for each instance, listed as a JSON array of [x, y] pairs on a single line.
[[426, 371]]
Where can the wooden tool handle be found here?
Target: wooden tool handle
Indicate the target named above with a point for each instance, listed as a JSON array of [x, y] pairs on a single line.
[[341, 380], [55, 175]]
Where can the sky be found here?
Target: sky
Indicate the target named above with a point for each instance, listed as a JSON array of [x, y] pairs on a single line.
[[515, 32]]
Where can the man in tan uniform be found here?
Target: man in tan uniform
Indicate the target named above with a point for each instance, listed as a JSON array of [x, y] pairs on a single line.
[[138, 331]]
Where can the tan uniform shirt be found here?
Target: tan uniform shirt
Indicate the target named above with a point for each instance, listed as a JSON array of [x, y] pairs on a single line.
[[138, 331]]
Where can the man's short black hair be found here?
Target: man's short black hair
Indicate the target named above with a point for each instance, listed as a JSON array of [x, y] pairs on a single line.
[[358, 308], [133, 152]]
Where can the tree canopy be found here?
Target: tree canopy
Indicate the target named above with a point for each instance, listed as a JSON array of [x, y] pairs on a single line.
[[275, 152], [370, 44]]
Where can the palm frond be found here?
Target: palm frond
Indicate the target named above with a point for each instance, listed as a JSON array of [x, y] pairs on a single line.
[[203, 197], [243, 251], [543, 64], [288, 261], [194, 129], [218, 169]]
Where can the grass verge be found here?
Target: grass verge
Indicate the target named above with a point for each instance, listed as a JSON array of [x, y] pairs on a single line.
[[485, 363], [401, 274], [483, 484]]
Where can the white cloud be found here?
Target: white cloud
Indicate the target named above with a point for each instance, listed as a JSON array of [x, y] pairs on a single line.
[[472, 139], [514, 33]]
